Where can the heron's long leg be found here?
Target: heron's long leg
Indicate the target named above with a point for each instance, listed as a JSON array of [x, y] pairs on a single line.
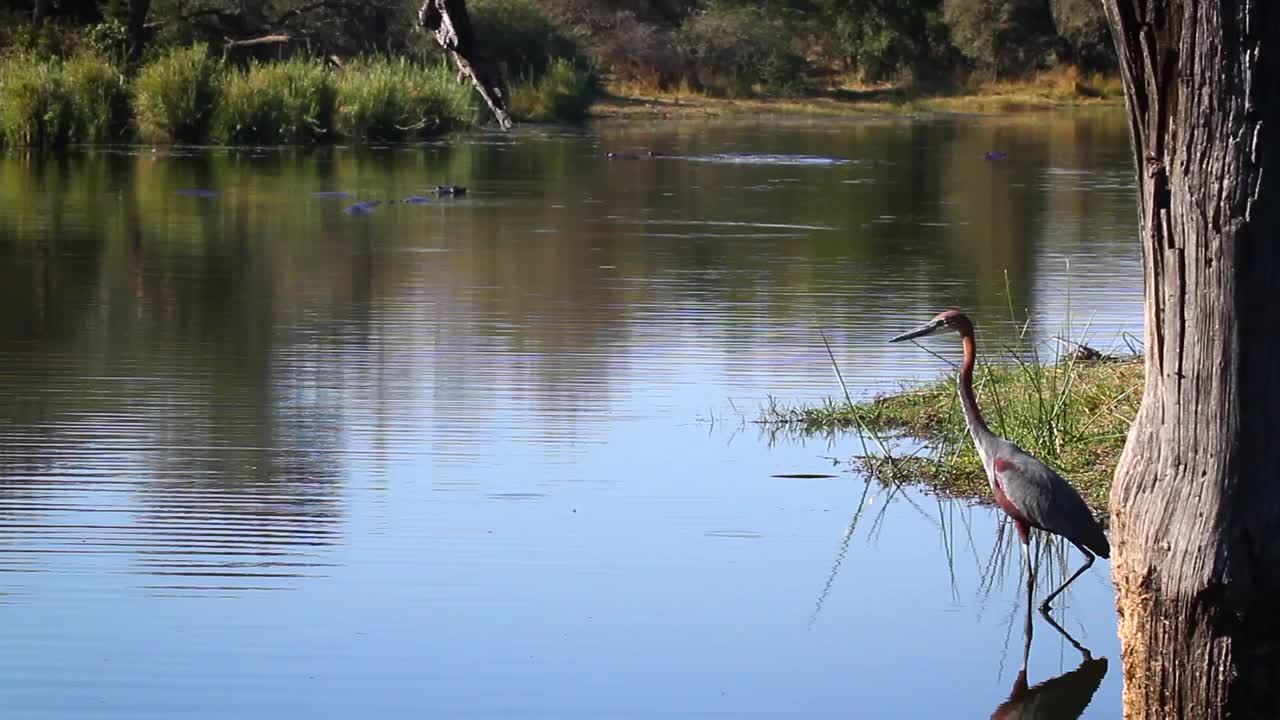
[[1031, 589], [1031, 575], [1083, 650], [1088, 563]]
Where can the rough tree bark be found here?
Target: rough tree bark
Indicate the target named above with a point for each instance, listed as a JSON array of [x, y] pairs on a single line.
[[449, 23], [1196, 503]]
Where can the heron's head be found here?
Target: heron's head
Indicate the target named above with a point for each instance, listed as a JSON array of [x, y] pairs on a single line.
[[952, 320]]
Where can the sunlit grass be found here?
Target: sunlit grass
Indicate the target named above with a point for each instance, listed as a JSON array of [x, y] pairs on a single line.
[[176, 96], [1066, 88], [99, 99], [290, 102], [34, 107], [52, 102], [387, 99], [1073, 415], [564, 94]]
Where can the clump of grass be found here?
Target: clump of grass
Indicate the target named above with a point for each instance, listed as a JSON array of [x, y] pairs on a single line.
[[452, 101], [99, 98], [51, 102], [177, 95], [563, 93], [1064, 86], [34, 107], [384, 99], [290, 102], [1101, 86], [1072, 415]]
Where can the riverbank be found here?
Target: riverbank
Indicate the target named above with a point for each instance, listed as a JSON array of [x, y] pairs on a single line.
[[188, 95], [1062, 90], [1073, 415]]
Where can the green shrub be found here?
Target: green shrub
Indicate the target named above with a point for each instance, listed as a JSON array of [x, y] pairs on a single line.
[[290, 102], [98, 97], [1083, 28], [737, 50], [393, 99], [521, 38], [109, 39], [176, 96], [636, 49], [1003, 37], [34, 107], [563, 93]]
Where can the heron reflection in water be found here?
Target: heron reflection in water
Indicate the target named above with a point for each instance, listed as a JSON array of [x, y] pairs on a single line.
[[1061, 698]]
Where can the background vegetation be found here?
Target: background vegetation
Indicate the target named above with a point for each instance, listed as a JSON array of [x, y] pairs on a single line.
[[200, 70]]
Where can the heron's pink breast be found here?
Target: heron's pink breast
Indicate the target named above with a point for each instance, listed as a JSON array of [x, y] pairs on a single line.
[[1002, 498]]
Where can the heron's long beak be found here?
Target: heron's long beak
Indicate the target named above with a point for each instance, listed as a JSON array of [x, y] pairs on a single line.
[[925, 329]]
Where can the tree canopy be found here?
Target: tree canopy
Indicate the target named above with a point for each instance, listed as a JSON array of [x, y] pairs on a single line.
[[786, 43]]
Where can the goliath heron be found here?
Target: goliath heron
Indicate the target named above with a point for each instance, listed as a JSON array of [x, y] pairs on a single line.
[[1029, 491]]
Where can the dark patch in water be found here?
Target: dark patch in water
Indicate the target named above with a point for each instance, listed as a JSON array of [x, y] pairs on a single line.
[[362, 208], [515, 496], [631, 156], [995, 155], [197, 193], [331, 194], [416, 200]]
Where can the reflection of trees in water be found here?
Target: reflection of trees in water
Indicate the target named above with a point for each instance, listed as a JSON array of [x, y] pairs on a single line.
[[153, 378], [919, 203], [219, 344]]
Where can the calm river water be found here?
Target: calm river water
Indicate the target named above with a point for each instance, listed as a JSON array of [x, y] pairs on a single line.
[[494, 455]]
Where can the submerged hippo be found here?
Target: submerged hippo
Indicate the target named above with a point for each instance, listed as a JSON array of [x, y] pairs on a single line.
[[631, 156]]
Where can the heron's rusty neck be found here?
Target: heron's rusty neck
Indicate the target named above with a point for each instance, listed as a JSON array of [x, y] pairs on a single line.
[[973, 417]]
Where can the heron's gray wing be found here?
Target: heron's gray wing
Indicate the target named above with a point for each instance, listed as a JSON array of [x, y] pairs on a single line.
[[1046, 499]]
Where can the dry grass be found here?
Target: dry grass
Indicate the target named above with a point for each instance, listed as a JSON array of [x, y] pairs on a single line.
[[1063, 87], [1054, 90]]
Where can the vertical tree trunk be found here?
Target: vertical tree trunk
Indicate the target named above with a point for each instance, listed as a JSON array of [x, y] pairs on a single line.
[[136, 28], [1196, 502], [38, 14]]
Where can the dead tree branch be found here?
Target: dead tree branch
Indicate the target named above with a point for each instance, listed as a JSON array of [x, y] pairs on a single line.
[[449, 24]]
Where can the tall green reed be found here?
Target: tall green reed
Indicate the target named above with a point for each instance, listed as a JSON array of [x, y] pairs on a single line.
[[384, 99], [99, 99], [49, 102], [34, 107], [289, 102], [177, 95]]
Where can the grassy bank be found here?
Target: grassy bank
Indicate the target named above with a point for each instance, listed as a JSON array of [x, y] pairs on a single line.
[[1072, 415], [186, 95]]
